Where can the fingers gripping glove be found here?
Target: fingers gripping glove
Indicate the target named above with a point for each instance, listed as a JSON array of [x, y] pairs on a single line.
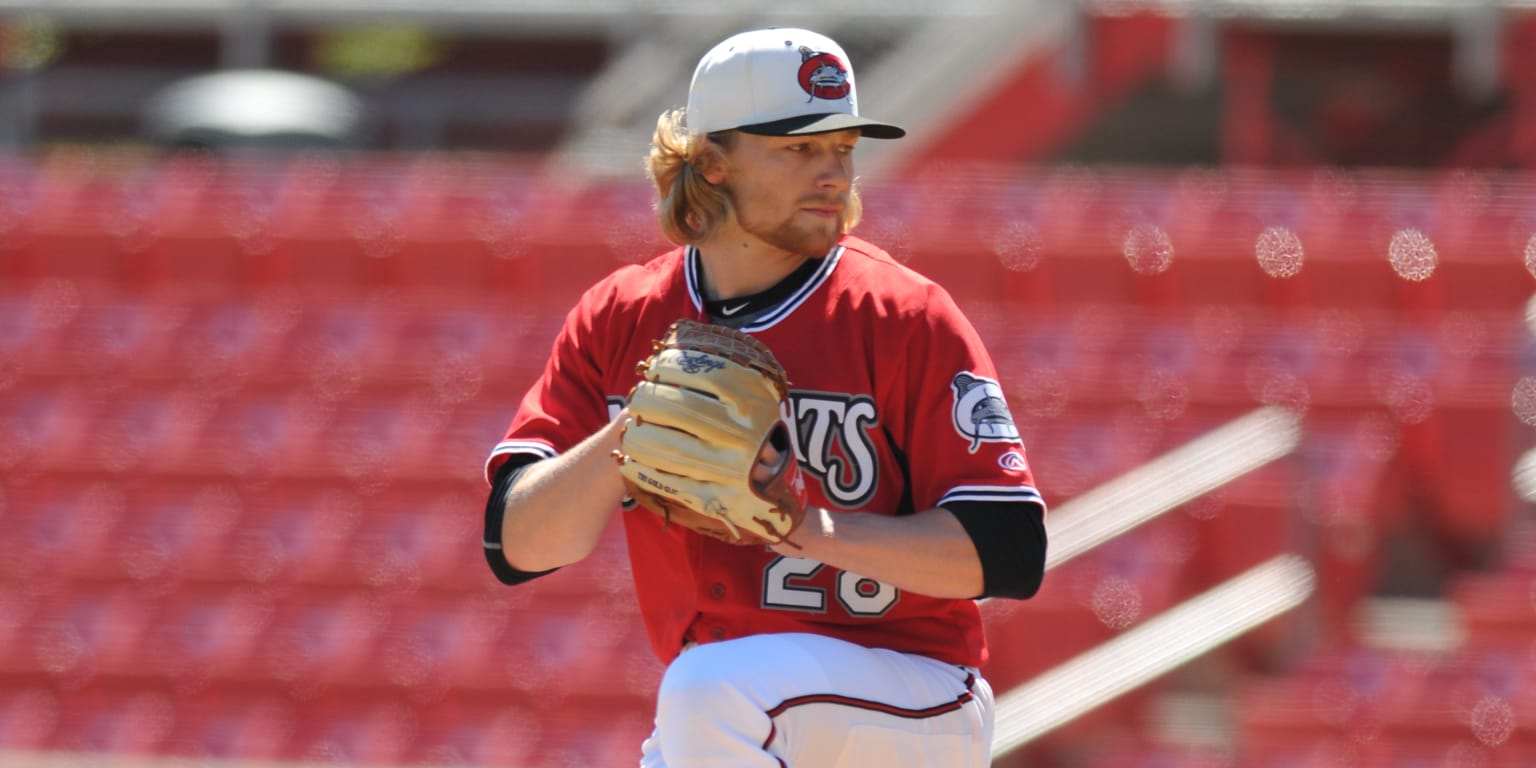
[[704, 445]]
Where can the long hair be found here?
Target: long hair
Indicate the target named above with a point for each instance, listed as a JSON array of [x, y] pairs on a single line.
[[690, 208]]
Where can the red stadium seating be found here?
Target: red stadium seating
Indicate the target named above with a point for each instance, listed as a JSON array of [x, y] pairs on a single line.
[[244, 410]]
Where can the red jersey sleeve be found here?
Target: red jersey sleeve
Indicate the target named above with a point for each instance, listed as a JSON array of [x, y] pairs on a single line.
[[962, 442]]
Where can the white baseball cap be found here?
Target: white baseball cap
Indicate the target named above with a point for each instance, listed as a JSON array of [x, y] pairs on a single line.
[[778, 82]]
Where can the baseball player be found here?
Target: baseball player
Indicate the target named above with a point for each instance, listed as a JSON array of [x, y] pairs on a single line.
[[836, 625]]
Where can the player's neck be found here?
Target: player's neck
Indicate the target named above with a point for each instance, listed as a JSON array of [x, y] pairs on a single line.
[[735, 267]]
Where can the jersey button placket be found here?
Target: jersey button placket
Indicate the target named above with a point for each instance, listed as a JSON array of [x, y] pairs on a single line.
[[717, 591], [717, 633]]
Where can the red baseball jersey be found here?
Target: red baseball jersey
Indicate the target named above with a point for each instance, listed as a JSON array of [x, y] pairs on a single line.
[[894, 405]]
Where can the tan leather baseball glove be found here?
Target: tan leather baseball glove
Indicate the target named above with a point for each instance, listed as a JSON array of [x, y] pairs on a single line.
[[704, 445]]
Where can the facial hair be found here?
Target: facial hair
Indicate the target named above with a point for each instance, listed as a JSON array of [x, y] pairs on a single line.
[[786, 235]]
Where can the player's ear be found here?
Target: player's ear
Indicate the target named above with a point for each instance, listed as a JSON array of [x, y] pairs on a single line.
[[711, 162], [712, 167]]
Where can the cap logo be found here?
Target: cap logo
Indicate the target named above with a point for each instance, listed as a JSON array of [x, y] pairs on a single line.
[[823, 75]]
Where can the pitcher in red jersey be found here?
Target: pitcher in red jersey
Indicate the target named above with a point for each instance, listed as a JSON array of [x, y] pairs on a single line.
[[856, 642]]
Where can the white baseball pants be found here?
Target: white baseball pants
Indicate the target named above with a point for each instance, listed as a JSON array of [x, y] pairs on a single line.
[[808, 701]]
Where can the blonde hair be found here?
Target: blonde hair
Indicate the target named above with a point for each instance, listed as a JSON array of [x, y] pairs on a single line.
[[690, 208]]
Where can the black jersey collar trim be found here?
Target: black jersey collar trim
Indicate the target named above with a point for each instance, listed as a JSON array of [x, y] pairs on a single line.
[[693, 270], [794, 300]]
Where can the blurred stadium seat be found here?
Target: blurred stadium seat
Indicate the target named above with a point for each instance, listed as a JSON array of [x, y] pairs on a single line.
[[207, 635], [226, 723]]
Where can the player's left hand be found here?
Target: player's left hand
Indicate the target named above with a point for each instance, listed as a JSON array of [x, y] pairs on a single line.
[[704, 444]]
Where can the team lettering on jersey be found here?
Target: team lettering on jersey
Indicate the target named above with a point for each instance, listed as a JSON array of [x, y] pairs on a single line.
[[835, 436]]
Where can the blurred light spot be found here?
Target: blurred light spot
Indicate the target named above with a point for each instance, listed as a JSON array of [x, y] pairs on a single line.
[[1116, 602], [1409, 398], [1523, 401], [1279, 251], [1206, 507], [1530, 255], [1378, 436], [1530, 315], [1492, 721], [1018, 246], [501, 234], [1148, 249], [1412, 255], [1163, 394], [1524, 479], [1464, 755], [1282, 388]]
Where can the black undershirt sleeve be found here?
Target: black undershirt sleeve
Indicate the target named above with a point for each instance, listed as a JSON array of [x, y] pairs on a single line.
[[495, 508], [1010, 541]]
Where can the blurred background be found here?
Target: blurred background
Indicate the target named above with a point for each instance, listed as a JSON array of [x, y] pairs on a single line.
[[275, 274]]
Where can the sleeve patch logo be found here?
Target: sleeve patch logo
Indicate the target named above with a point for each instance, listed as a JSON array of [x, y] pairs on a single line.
[[981, 415]]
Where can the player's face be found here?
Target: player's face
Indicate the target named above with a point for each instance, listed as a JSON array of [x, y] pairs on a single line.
[[791, 192]]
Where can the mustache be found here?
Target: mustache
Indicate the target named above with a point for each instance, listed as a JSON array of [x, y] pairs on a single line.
[[818, 201]]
